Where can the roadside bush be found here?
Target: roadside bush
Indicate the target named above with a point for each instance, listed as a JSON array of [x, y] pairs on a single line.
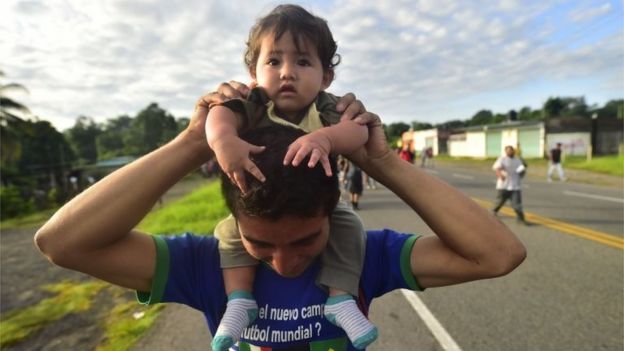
[[13, 204]]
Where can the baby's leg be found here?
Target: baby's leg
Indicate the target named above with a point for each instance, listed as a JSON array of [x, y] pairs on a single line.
[[239, 270], [342, 265]]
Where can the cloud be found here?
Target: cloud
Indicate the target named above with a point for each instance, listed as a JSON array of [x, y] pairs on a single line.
[[587, 14], [406, 60]]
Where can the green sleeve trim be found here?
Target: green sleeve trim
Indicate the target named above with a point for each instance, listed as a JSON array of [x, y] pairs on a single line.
[[161, 274], [406, 267]]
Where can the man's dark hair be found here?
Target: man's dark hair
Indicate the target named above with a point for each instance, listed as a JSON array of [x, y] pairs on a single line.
[[287, 191], [301, 24]]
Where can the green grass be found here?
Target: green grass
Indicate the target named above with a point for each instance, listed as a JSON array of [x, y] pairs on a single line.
[[70, 298], [126, 324], [612, 164], [30, 221], [198, 212]]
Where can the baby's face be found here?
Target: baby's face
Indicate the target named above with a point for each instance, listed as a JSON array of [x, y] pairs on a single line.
[[291, 78]]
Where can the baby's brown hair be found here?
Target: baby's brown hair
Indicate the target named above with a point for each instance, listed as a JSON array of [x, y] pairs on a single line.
[[302, 25]]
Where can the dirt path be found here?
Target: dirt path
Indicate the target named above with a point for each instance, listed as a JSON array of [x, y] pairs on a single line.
[[24, 271]]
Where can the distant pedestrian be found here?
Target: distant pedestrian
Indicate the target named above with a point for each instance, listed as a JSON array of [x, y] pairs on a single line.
[[426, 156], [508, 170], [555, 163], [355, 185], [406, 154]]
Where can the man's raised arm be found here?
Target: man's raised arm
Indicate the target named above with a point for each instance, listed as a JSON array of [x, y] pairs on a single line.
[[470, 243], [93, 233]]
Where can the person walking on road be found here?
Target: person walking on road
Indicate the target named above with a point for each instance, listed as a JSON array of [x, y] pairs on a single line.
[[356, 186], [555, 163], [508, 170]]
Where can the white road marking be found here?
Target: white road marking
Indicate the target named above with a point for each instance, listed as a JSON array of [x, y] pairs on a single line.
[[597, 197], [444, 338], [431, 171], [463, 176]]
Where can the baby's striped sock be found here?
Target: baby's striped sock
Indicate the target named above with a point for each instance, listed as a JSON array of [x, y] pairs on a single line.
[[342, 311], [241, 310]]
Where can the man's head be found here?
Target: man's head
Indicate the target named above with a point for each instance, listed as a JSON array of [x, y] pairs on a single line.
[[509, 151], [283, 221], [558, 145], [291, 54]]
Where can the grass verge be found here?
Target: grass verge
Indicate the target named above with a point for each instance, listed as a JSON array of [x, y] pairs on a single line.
[[126, 324], [613, 164], [198, 212], [70, 298], [33, 220]]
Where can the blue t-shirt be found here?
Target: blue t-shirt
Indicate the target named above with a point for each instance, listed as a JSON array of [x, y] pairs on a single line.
[[290, 310]]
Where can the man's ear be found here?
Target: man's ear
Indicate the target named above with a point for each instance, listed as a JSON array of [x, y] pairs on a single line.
[[328, 78]]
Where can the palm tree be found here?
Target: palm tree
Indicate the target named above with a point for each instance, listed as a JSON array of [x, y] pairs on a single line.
[[11, 125]]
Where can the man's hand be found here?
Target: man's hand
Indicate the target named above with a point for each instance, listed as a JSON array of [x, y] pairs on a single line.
[[316, 144], [376, 148], [233, 156], [229, 91]]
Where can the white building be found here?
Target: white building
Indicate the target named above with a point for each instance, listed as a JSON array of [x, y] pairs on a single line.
[[490, 140]]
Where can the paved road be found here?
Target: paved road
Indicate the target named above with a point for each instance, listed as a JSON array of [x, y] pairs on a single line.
[[568, 295]]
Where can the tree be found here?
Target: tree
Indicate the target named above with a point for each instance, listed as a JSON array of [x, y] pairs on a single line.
[[110, 142], [453, 124], [46, 157], [397, 129], [612, 109], [576, 107], [421, 125], [12, 126], [83, 137], [151, 128], [482, 117]]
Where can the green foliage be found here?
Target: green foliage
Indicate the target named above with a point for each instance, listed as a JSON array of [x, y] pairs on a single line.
[[69, 298], [565, 107], [421, 125], [397, 129], [28, 221], [481, 117], [198, 212], [612, 109], [111, 141], [453, 124], [151, 128], [83, 136], [12, 126], [126, 324], [13, 204]]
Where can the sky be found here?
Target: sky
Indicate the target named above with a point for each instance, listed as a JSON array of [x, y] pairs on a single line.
[[406, 60]]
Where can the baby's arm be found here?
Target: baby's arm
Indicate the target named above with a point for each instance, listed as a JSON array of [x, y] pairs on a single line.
[[231, 151], [342, 138]]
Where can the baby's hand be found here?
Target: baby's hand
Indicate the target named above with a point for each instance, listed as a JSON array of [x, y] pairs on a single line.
[[316, 144], [233, 156]]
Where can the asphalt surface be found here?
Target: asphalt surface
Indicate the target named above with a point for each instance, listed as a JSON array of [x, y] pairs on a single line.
[[567, 295]]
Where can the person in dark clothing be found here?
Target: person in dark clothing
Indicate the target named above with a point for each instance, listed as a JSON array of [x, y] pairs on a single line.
[[355, 185], [555, 163]]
